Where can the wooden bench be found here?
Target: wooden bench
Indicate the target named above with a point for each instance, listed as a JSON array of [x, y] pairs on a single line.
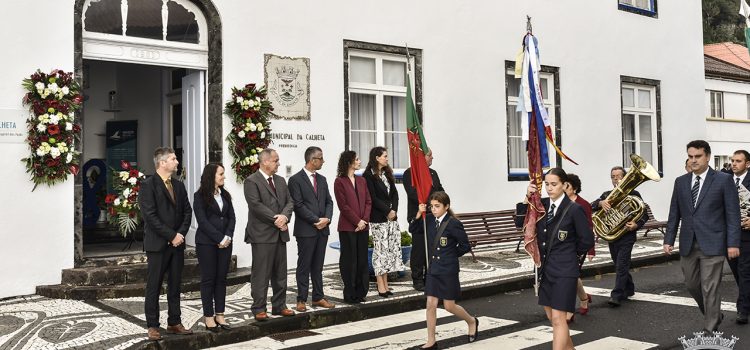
[[491, 227], [652, 223]]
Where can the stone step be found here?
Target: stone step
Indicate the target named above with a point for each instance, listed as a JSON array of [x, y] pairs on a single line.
[[192, 284], [127, 259], [125, 274]]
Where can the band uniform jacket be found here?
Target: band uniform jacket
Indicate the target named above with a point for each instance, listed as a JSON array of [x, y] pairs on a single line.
[[573, 238], [412, 202], [714, 221], [263, 203], [354, 202], [384, 199], [309, 206], [453, 243], [213, 223], [163, 218]]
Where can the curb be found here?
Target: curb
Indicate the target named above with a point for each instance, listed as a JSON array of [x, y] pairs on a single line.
[[325, 318]]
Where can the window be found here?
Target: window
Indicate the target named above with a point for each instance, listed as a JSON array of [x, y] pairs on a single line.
[[639, 124], [518, 164], [643, 7], [376, 89], [717, 104]]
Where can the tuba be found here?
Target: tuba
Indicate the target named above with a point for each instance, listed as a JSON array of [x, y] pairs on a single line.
[[610, 224]]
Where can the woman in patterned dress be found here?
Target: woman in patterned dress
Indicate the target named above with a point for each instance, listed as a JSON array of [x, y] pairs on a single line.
[[386, 235]]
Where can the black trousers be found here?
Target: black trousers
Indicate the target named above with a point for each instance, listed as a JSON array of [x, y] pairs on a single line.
[[353, 264], [171, 261], [214, 265], [620, 251], [741, 270], [417, 259], [311, 253]]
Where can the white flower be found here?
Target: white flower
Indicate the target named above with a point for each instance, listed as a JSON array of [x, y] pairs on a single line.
[[124, 175], [239, 99], [39, 86], [43, 117], [253, 127], [132, 180], [116, 202], [53, 88], [41, 127], [263, 135], [40, 151], [69, 158], [241, 134], [53, 119], [126, 192], [54, 152], [140, 174], [68, 126], [260, 127], [44, 93], [65, 90]]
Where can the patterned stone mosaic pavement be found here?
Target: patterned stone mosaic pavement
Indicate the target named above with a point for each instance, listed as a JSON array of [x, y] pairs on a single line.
[[34, 322]]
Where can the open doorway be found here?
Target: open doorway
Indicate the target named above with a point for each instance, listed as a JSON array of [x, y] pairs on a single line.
[[130, 109]]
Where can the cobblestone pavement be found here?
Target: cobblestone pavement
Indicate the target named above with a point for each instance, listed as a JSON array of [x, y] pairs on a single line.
[[34, 322]]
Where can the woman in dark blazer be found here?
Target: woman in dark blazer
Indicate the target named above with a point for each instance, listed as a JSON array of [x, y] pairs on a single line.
[[213, 243], [354, 204], [562, 235], [446, 242], [386, 235], [572, 188]]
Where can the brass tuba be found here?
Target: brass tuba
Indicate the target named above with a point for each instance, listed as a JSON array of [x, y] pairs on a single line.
[[610, 224]]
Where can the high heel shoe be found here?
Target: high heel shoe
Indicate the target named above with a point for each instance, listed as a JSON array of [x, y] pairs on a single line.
[[383, 295], [473, 338], [214, 329], [224, 326], [389, 293], [585, 310]]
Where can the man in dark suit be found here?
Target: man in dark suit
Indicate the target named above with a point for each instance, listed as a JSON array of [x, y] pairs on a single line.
[[706, 209], [269, 210], [166, 216], [417, 259], [741, 266], [620, 249], [314, 208]]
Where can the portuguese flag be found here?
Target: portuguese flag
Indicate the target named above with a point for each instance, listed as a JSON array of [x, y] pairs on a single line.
[[420, 173]]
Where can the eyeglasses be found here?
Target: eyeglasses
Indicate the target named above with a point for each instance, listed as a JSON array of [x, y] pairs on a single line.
[[319, 158]]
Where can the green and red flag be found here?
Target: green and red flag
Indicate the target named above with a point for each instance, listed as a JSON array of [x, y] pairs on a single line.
[[420, 172]]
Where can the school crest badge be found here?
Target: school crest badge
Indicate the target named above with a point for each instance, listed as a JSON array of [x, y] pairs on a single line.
[[443, 241], [562, 235]]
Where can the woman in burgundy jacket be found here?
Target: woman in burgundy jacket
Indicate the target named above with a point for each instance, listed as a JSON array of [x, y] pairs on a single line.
[[355, 205]]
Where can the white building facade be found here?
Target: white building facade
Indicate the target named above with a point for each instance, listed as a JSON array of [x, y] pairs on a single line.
[[616, 80]]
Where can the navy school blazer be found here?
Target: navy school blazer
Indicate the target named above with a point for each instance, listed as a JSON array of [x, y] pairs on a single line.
[[453, 244]]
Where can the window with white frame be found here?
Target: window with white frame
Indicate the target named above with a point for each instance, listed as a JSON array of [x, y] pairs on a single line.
[[639, 123], [518, 163], [377, 105], [717, 104], [644, 7]]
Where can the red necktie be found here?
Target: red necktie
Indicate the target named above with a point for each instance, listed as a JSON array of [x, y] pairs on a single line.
[[315, 182], [270, 182]]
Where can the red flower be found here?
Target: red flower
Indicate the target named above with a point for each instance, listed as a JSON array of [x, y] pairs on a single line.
[[125, 164], [77, 99], [43, 138], [74, 169], [250, 86], [76, 128], [38, 108], [133, 172], [110, 198], [53, 129]]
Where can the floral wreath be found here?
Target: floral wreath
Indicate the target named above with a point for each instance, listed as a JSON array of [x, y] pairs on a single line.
[[248, 111], [123, 205], [52, 129]]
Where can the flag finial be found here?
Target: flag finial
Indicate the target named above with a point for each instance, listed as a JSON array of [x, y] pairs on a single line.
[[528, 23]]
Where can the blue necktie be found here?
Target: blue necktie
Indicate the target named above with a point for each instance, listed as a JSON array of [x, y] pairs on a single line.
[[696, 188], [551, 213]]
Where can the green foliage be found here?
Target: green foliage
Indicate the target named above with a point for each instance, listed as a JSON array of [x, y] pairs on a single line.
[[722, 23]]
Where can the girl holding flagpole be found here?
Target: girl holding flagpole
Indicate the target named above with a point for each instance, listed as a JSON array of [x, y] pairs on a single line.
[[446, 242]]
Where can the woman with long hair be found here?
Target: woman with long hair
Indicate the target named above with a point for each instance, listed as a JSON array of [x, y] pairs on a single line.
[[446, 241], [214, 213], [386, 235], [354, 204], [563, 235], [572, 188]]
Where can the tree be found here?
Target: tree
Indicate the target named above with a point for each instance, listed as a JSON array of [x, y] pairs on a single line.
[[721, 22]]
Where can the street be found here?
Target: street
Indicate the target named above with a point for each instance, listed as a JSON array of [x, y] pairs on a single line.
[[659, 314]]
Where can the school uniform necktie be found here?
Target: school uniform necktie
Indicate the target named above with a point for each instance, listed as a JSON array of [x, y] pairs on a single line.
[[737, 182], [270, 182], [168, 183], [551, 213], [437, 224], [696, 188]]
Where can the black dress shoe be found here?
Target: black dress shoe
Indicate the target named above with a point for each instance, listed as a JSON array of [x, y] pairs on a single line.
[[473, 338], [613, 302], [389, 293], [383, 295], [741, 318], [433, 347], [224, 326], [214, 329]]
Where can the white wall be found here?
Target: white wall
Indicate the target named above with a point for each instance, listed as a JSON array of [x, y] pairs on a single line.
[[730, 134], [39, 222]]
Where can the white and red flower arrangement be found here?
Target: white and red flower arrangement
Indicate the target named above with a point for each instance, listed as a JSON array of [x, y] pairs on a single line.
[[53, 100], [122, 206], [248, 111]]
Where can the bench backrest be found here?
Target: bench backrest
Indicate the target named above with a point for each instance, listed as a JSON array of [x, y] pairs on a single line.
[[494, 222]]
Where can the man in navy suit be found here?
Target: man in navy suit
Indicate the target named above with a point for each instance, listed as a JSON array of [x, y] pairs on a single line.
[[314, 209], [741, 266], [706, 209]]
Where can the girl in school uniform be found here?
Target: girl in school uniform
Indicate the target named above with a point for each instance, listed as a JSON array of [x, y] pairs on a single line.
[[563, 235], [446, 242]]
